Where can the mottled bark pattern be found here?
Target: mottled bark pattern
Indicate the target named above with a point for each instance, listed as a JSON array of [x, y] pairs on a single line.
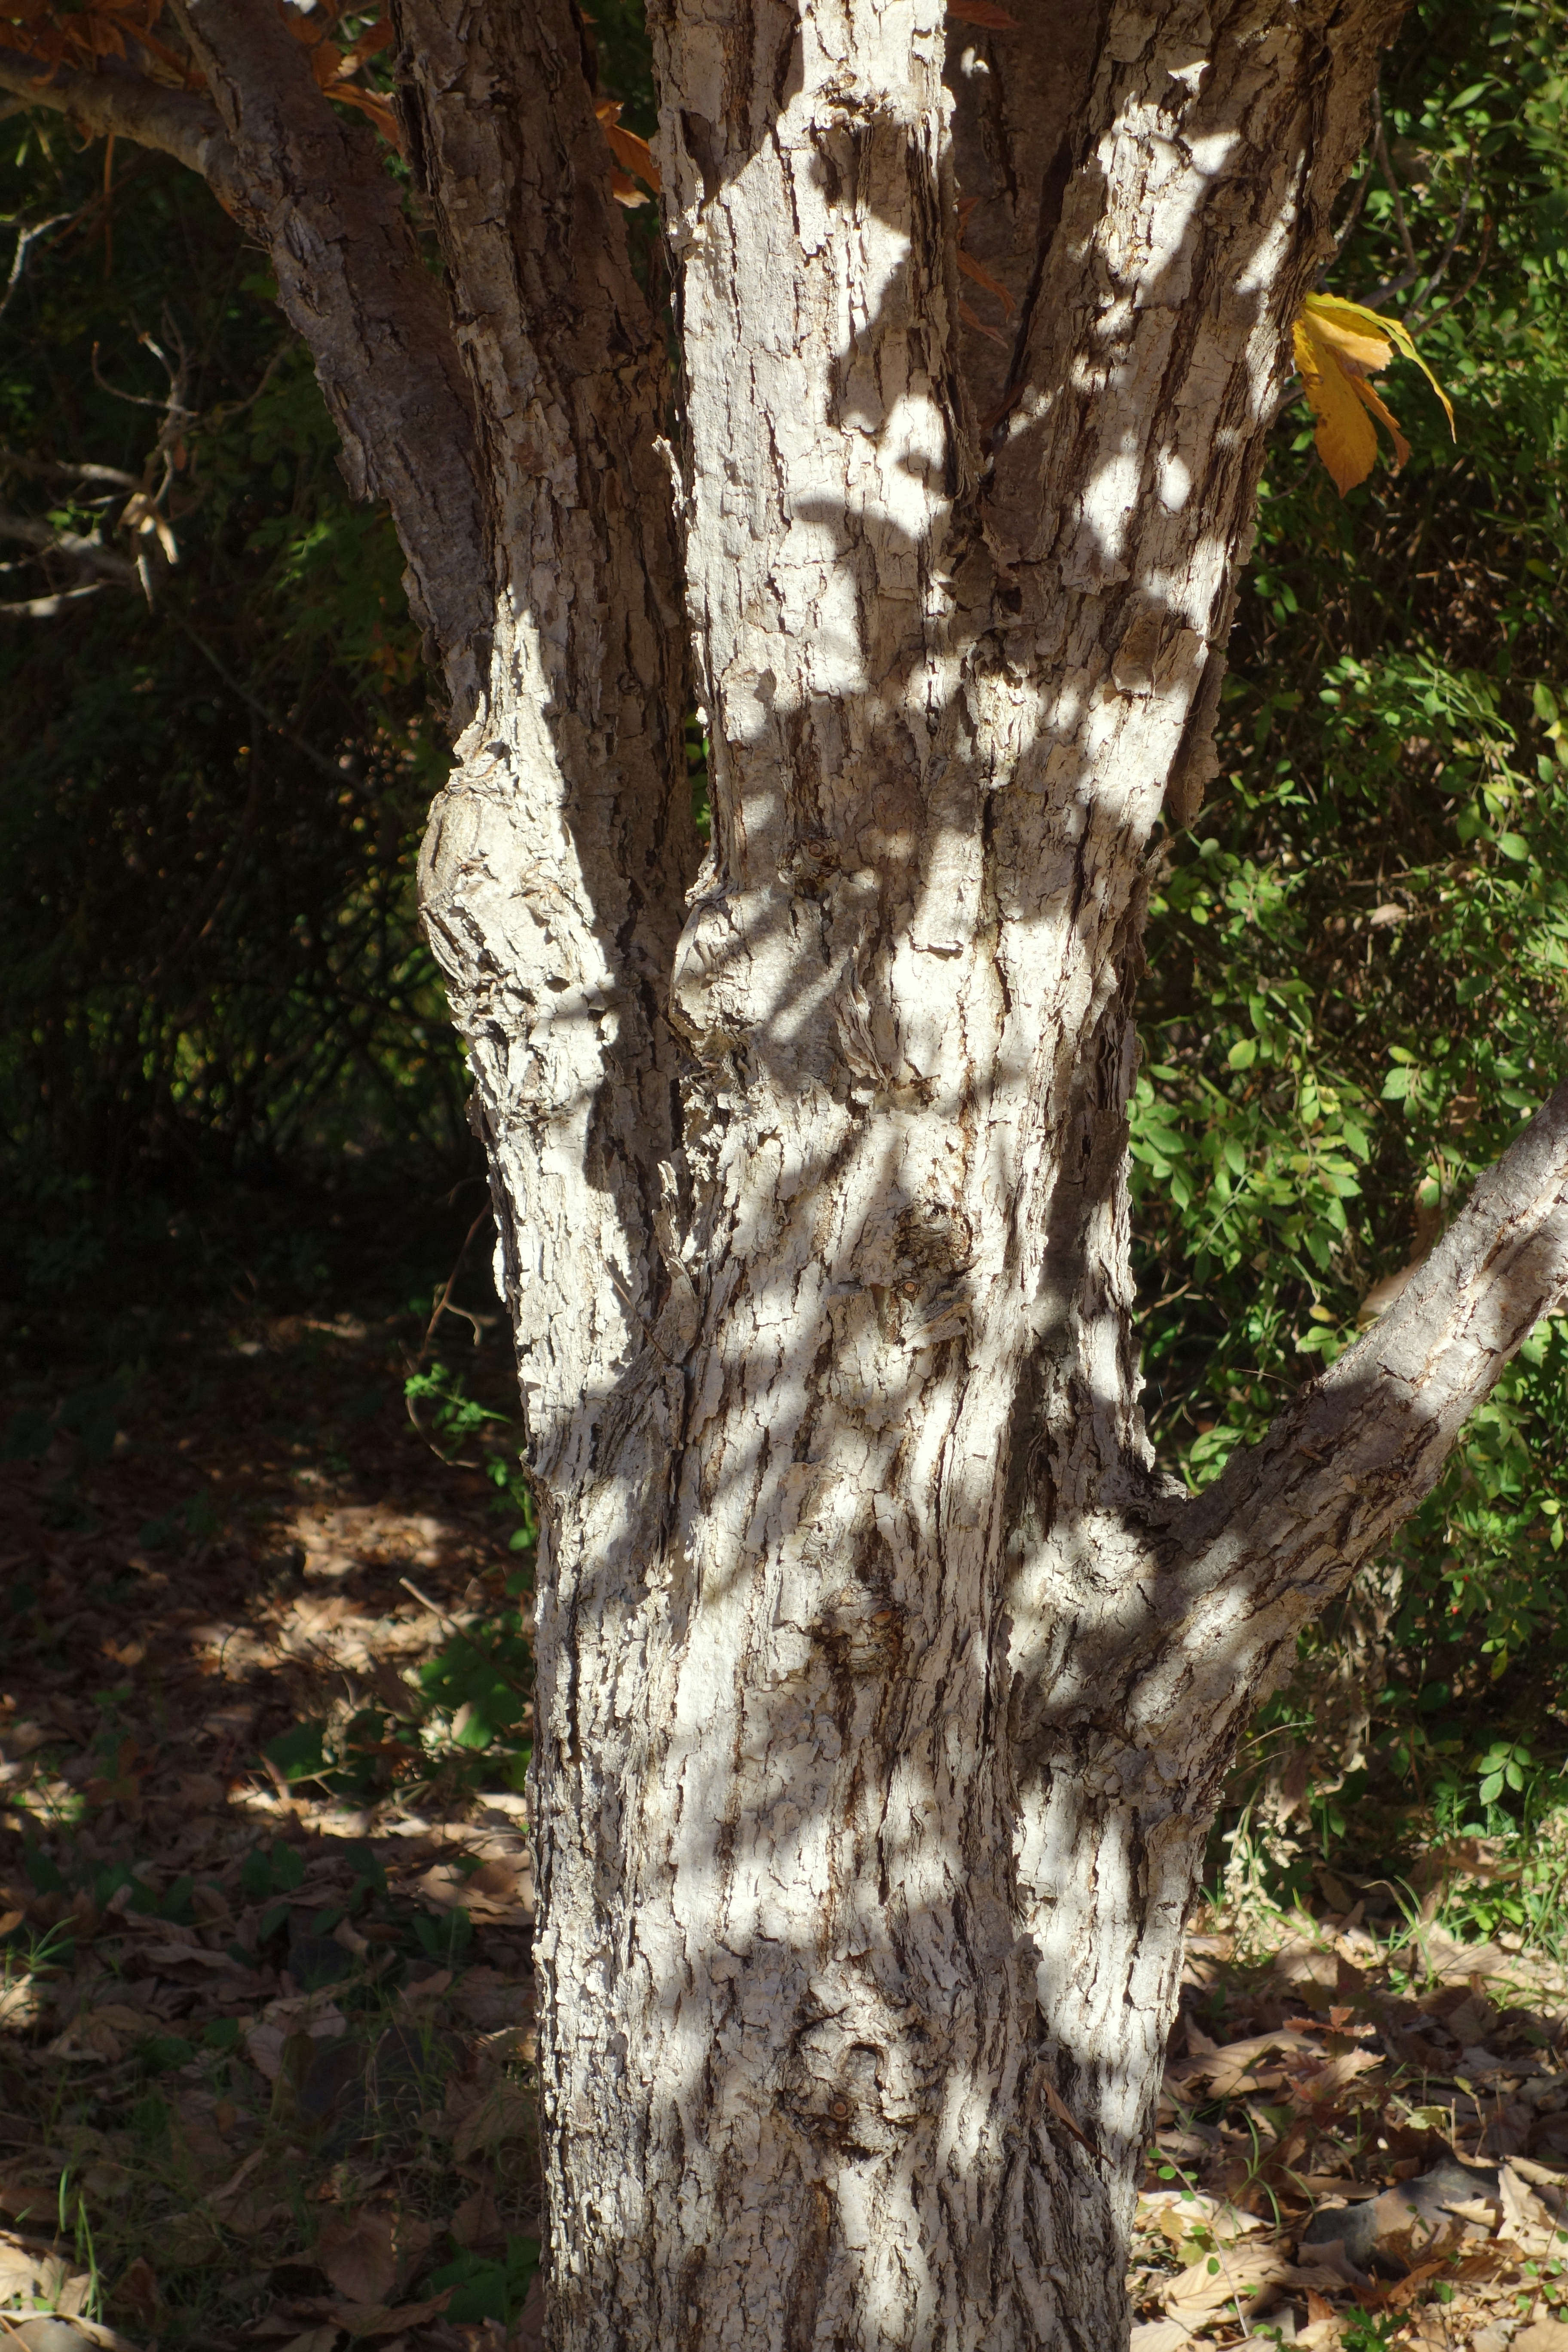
[[854, 1825], [558, 856], [885, 1689]]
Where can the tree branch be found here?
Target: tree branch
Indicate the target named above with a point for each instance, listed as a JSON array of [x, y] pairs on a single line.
[[1287, 1525], [570, 379], [88, 555], [351, 280], [178, 123]]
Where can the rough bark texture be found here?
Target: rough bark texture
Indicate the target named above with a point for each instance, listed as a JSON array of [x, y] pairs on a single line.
[[885, 1689], [852, 1822], [558, 856]]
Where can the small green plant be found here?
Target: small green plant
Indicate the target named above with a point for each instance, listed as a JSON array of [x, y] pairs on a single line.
[[1504, 1764], [445, 1939], [486, 2289], [1360, 2332], [453, 1422], [477, 1686]]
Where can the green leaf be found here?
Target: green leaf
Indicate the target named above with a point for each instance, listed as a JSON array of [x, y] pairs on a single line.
[[299, 1755]]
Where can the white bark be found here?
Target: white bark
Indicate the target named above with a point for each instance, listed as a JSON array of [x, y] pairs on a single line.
[[861, 1886], [851, 1833], [885, 1690]]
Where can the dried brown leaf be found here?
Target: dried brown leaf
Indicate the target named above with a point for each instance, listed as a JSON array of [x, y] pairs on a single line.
[[355, 2252], [477, 2223], [982, 276], [138, 2291], [501, 2114], [1232, 2277]]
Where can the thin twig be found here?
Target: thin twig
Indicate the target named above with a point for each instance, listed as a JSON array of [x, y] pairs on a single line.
[[1380, 149], [135, 399], [25, 238], [222, 416], [47, 608], [318, 759], [1444, 308], [1414, 315], [442, 1304], [12, 461]]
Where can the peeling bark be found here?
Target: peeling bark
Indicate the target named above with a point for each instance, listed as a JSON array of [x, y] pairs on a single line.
[[885, 1688]]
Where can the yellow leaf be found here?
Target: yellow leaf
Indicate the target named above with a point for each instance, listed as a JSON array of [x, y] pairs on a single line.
[[1339, 345], [1346, 437]]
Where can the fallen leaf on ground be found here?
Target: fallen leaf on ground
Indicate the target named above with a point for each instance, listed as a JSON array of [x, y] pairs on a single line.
[[502, 2114], [278, 2024], [137, 2290], [1160, 2336], [1189, 2208], [477, 2223], [355, 2253], [1229, 2279], [364, 2321]]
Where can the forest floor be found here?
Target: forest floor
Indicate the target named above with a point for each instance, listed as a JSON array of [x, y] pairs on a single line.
[[265, 2034]]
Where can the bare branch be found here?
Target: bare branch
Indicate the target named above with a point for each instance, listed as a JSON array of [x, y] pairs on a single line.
[[25, 237], [178, 123], [90, 554], [62, 469], [49, 608], [351, 280]]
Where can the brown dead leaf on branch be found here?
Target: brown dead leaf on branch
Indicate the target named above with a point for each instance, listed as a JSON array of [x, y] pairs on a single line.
[[979, 275], [631, 153], [335, 68]]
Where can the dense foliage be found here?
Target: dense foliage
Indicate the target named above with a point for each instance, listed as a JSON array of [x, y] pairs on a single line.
[[1358, 956], [214, 776]]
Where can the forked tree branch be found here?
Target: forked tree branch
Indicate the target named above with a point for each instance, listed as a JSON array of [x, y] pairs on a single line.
[[351, 280], [1286, 1527]]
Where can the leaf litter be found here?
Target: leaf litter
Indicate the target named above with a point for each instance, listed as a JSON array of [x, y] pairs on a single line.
[[1359, 2144], [266, 1993]]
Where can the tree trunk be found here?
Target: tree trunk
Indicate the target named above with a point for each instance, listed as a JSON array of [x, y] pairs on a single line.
[[885, 1689], [862, 1873]]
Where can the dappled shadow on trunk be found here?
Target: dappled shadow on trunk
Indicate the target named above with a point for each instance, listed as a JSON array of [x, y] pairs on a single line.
[[885, 1937]]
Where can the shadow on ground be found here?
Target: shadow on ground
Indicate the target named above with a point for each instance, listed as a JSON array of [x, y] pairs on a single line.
[[265, 1901]]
